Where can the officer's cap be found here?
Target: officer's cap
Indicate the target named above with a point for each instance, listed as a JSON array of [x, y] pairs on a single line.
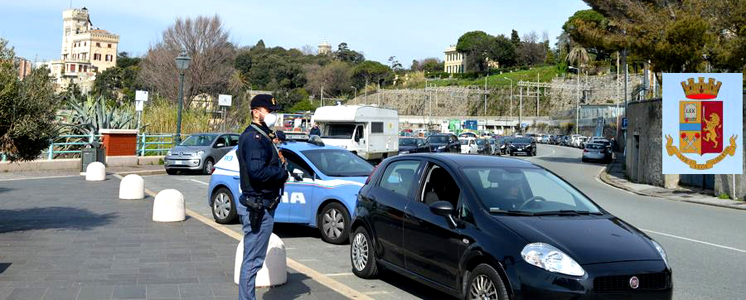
[[266, 101]]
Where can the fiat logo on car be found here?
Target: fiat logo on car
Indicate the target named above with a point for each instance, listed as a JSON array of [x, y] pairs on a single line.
[[634, 282]]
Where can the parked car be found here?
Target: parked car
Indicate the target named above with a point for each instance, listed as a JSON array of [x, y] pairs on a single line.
[[503, 144], [483, 146], [199, 152], [581, 141], [566, 141], [468, 145], [499, 228], [321, 192], [596, 151], [522, 145], [412, 145], [494, 148], [444, 142]]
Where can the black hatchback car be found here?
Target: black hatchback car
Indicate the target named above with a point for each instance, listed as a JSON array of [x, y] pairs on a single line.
[[444, 142], [480, 227]]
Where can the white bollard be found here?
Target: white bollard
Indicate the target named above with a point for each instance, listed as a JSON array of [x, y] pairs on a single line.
[[95, 171], [168, 206], [274, 271], [132, 187]]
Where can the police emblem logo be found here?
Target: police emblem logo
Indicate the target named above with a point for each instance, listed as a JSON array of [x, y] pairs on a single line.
[[701, 120]]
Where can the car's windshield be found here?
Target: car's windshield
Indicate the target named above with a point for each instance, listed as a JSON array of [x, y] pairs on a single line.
[[437, 139], [530, 190], [481, 142], [407, 142], [595, 146], [338, 163], [338, 131], [198, 140], [521, 140], [463, 141]]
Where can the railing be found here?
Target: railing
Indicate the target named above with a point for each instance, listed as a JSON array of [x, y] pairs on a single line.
[[68, 146], [157, 144]]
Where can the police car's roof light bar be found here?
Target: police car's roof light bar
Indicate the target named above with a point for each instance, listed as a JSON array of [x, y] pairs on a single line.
[[316, 140]]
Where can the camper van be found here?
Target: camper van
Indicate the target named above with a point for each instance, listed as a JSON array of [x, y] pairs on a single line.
[[368, 131]]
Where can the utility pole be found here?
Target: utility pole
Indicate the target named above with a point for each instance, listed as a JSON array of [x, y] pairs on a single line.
[[537, 94], [511, 96], [577, 105], [322, 95], [520, 107], [485, 95]]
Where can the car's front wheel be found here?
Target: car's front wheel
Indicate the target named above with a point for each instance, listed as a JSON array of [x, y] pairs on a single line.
[[334, 223], [207, 168], [485, 283], [223, 206], [362, 255]]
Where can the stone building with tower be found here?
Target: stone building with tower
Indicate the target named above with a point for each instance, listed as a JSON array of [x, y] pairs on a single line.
[[86, 51], [325, 49]]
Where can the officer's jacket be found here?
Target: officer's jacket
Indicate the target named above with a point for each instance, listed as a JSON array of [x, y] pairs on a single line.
[[259, 166]]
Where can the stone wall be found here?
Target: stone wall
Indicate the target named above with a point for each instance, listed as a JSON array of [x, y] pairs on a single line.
[[603, 90], [644, 142]]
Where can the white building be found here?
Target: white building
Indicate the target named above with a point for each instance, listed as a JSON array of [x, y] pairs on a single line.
[[455, 62]]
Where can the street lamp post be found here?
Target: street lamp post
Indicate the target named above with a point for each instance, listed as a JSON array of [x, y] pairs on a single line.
[[182, 63], [511, 95]]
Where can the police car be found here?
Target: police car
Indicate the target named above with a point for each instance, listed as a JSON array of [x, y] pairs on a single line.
[[321, 191]]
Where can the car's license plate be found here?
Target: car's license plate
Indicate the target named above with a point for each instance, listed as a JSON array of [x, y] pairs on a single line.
[[177, 162]]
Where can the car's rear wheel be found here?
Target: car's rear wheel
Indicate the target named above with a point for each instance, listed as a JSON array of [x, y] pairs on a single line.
[[223, 206], [334, 223], [207, 168], [485, 283], [362, 255]]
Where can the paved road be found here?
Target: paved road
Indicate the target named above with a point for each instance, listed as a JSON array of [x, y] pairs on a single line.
[[706, 245]]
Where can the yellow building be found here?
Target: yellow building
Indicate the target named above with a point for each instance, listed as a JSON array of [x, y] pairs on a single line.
[[325, 49], [455, 62], [85, 51]]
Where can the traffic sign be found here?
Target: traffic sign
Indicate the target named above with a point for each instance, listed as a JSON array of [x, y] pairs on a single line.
[[624, 123], [141, 95], [224, 100], [139, 105]]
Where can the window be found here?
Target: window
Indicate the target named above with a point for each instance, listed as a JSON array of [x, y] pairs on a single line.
[[439, 186], [98, 44], [234, 140], [338, 163], [400, 176], [376, 127], [295, 162], [109, 45], [85, 44], [221, 140], [338, 131]]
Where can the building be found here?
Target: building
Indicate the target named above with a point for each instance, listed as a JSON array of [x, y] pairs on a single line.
[[86, 51], [325, 48], [455, 62], [24, 67]]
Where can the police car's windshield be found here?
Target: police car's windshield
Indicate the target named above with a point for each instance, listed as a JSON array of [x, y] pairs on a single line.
[[338, 163], [198, 140]]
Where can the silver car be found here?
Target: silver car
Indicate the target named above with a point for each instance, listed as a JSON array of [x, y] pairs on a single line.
[[596, 151], [199, 152]]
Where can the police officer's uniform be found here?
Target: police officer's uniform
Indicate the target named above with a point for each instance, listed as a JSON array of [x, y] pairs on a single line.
[[262, 179]]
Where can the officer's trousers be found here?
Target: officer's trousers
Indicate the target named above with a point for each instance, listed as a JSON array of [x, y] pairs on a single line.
[[255, 242]]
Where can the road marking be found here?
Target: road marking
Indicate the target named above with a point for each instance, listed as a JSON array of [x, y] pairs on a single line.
[[44, 177], [373, 293], [197, 181], [338, 274], [307, 260], [696, 241], [300, 268]]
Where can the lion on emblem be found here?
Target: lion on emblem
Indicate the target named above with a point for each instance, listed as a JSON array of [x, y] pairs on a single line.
[[712, 124]]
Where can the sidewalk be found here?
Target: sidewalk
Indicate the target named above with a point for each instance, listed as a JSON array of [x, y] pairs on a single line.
[[614, 175], [140, 170], [66, 238]]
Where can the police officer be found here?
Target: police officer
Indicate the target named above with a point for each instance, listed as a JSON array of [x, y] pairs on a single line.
[[262, 179]]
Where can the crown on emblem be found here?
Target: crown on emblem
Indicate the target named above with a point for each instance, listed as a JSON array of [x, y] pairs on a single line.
[[701, 89]]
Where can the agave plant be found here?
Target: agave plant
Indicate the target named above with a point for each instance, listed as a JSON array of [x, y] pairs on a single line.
[[93, 114]]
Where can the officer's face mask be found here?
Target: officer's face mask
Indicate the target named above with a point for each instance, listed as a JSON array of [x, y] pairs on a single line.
[[270, 119]]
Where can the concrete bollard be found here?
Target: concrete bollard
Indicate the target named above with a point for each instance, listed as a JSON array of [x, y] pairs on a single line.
[[168, 206], [95, 171], [132, 187], [274, 271]]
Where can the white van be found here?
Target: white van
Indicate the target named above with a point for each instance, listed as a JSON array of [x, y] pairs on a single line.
[[368, 131]]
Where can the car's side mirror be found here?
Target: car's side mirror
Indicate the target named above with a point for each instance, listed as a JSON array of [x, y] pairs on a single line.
[[297, 175], [220, 145], [442, 208]]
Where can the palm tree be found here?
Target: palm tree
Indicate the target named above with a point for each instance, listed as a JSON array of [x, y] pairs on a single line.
[[579, 57]]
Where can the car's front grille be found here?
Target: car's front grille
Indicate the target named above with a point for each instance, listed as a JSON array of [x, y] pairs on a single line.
[[655, 281]]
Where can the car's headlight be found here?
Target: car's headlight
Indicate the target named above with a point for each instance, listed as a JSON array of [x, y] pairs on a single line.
[[168, 153], [198, 153], [549, 258], [661, 251], [441, 147], [404, 152]]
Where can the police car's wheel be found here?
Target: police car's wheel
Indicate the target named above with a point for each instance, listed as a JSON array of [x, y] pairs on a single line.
[[207, 168], [485, 283], [223, 206], [362, 257], [334, 223]]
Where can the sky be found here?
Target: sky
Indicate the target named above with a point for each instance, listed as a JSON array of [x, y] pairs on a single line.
[[407, 29]]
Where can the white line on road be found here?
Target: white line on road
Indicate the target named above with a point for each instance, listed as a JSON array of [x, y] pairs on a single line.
[[197, 181], [45, 177], [338, 274], [373, 293], [693, 240]]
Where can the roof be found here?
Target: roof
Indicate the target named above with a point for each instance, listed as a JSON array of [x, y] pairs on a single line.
[[468, 161], [303, 146]]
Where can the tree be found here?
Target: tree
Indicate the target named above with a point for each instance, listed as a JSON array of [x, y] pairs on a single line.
[[514, 38], [531, 52], [477, 45], [578, 57], [308, 50], [124, 60], [504, 52], [415, 66], [371, 72], [120, 81], [27, 109], [259, 45], [334, 77], [430, 65], [346, 55], [394, 64], [206, 41]]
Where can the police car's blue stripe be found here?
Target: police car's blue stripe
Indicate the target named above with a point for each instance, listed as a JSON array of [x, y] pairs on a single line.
[[224, 169]]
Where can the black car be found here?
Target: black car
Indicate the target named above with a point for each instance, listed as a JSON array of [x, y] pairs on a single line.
[[479, 227], [503, 143], [412, 145], [483, 146], [444, 142], [523, 145]]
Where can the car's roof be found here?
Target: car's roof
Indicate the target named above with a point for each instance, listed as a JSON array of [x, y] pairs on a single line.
[[213, 133], [303, 146], [467, 161], [442, 134]]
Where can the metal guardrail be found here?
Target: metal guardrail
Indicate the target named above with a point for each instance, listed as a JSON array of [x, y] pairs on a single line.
[[154, 143], [147, 144], [76, 145]]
